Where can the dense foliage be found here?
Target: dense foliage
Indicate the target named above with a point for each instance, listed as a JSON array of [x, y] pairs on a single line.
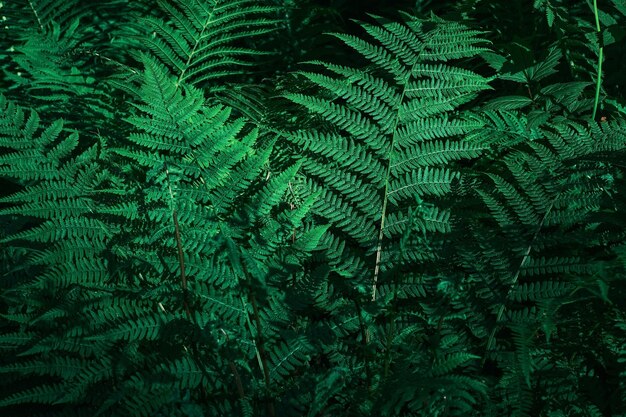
[[300, 208]]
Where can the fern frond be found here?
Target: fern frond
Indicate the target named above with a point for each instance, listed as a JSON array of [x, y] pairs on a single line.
[[198, 40], [393, 128]]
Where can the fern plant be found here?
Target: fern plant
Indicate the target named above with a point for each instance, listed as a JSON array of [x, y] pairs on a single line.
[[188, 176], [427, 221], [202, 42], [167, 286], [391, 132], [546, 195]]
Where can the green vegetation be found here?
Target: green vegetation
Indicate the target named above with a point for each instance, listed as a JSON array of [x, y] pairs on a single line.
[[295, 208]]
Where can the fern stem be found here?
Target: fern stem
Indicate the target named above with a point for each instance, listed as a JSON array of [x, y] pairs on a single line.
[[179, 249], [379, 248], [30, 3], [233, 369], [183, 280], [502, 308], [393, 315], [365, 337], [600, 58], [195, 46], [261, 347], [181, 261], [250, 326], [388, 344]]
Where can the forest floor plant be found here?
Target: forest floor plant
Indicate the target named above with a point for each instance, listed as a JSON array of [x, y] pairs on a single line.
[[209, 209]]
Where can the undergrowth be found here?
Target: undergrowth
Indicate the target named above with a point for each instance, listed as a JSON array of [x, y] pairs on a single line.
[[299, 208]]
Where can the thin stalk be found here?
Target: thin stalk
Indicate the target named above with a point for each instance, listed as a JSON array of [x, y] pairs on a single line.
[[179, 249], [250, 326], [32, 7], [513, 282], [233, 369], [388, 344], [260, 344], [365, 340], [181, 261], [383, 215], [600, 58], [190, 317]]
